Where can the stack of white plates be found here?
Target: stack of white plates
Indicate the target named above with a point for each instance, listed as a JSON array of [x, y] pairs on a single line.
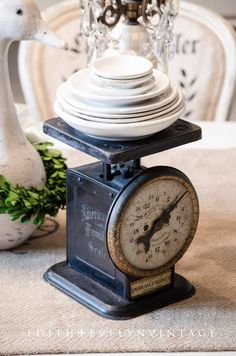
[[119, 98]]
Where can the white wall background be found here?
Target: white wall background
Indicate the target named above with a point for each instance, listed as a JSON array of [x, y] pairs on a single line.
[[225, 7]]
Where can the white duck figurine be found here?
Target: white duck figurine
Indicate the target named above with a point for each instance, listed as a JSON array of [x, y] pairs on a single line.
[[19, 161]]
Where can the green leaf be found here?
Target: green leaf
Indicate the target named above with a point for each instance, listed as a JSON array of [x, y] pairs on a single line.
[[33, 195], [13, 195], [39, 219], [16, 215], [27, 204], [10, 210], [2, 180], [8, 201], [3, 209], [25, 219]]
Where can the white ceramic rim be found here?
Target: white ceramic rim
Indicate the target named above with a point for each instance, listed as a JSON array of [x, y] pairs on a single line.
[[141, 89], [76, 112], [107, 126], [148, 105], [114, 133], [79, 92], [156, 115], [124, 60], [122, 84]]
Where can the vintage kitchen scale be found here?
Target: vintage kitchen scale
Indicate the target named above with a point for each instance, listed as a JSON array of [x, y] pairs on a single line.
[[127, 226]]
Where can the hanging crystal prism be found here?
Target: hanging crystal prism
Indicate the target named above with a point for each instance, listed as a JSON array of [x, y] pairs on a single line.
[[160, 23], [98, 34]]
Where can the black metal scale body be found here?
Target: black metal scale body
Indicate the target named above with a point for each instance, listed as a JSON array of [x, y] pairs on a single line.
[[89, 274]]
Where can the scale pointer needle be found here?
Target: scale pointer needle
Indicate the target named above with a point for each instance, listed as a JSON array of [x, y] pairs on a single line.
[[158, 224]]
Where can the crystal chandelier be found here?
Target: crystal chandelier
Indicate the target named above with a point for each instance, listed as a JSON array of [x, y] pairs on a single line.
[[141, 27]]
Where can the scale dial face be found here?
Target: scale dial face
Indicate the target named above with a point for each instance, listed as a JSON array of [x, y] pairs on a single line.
[[152, 222]]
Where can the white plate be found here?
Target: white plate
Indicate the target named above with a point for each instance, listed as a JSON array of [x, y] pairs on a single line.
[[108, 116], [120, 84], [118, 132], [104, 90], [154, 103], [126, 121], [122, 67], [79, 88], [177, 106]]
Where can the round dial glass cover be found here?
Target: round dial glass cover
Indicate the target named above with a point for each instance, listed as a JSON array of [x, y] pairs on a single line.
[[153, 222]]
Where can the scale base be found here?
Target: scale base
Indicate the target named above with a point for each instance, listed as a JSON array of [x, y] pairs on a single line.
[[108, 304]]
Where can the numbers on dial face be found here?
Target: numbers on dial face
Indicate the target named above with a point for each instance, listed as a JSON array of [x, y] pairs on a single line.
[[157, 223]]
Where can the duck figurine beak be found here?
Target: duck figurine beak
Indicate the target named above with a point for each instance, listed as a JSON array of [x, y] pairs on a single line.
[[47, 37]]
